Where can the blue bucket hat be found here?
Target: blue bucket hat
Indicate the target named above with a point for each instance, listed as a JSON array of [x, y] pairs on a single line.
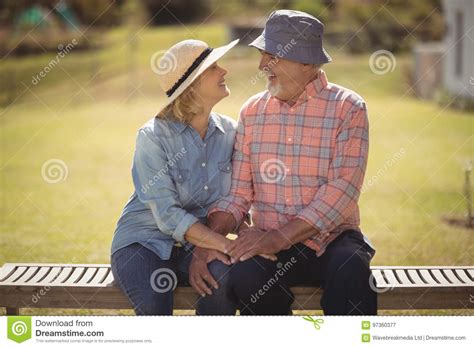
[[293, 35]]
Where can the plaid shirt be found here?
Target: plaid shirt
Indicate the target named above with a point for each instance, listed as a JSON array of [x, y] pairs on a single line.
[[304, 161]]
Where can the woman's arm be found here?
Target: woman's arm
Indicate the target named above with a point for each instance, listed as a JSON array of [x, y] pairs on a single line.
[[202, 236]]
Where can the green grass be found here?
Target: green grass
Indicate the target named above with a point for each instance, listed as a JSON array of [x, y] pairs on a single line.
[[93, 132]]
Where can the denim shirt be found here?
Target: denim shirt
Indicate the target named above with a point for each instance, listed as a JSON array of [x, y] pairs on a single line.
[[177, 176]]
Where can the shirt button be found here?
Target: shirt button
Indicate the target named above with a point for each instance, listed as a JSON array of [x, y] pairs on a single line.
[[203, 164], [228, 168], [180, 176], [204, 145], [206, 188], [292, 109], [289, 139]]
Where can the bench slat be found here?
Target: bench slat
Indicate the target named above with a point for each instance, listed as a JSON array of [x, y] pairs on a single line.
[[426, 275], [30, 272], [64, 274], [52, 275], [18, 273], [42, 273], [99, 276], [451, 276], [402, 275], [75, 276], [379, 280], [109, 279], [440, 277], [88, 275], [464, 277], [6, 271], [390, 276], [413, 274]]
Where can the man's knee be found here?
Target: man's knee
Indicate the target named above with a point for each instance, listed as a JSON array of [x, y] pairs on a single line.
[[250, 275], [346, 264]]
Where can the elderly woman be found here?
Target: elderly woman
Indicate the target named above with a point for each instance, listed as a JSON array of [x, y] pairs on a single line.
[[182, 165]]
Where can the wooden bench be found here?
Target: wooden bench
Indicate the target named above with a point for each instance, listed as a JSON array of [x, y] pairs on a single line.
[[26, 285]]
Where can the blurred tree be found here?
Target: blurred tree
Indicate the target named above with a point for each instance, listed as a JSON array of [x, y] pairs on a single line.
[[393, 25], [98, 12], [88, 12], [176, 11], [317, 8]]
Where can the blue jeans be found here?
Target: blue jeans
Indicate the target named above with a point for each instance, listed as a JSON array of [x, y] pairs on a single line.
[[148, 281], [263, 287]]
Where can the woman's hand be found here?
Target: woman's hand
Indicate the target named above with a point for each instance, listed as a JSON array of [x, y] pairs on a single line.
[[199, 276], [201, 236]]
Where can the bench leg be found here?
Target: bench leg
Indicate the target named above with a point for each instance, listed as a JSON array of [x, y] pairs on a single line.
[[13, 311]]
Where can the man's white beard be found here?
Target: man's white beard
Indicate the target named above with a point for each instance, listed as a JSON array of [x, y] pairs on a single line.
[[274, 89]]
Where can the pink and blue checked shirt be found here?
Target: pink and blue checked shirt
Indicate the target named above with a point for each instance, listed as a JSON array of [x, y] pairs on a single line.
[[304, 161]]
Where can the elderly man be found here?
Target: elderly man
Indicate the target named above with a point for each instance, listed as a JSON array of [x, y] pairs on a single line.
[[299, 162]]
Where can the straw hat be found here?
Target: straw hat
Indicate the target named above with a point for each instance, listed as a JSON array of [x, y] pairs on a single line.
[[183, 63]]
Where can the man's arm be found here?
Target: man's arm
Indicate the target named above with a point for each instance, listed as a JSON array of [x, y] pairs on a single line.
[[337, 200], [221, 222]]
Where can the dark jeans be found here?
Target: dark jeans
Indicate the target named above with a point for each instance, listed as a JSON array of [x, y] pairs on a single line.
[[262, 287], [149, 281]]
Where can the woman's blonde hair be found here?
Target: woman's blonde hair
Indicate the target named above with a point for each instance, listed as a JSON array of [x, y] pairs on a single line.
[[185, 107]]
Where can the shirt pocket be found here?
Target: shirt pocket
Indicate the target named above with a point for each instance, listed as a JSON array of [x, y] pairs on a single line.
[[225, 176], [182, 180], [314, 164]]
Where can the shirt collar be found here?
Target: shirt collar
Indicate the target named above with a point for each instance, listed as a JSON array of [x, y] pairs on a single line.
[[313, 88], [214, 122]]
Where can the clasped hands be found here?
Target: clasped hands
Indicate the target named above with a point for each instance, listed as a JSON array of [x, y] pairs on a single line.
[[251, 242]]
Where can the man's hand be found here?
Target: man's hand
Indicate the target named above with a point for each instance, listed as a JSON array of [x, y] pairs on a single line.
[[253, 241], [199, 276], [221, 222]]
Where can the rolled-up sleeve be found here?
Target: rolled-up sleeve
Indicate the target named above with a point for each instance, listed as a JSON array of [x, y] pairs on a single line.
[[156, 189], [240, 197], [336, 200]]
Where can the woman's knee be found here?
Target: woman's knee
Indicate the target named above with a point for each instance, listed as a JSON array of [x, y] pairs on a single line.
[[136, 276], [219, 271]]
